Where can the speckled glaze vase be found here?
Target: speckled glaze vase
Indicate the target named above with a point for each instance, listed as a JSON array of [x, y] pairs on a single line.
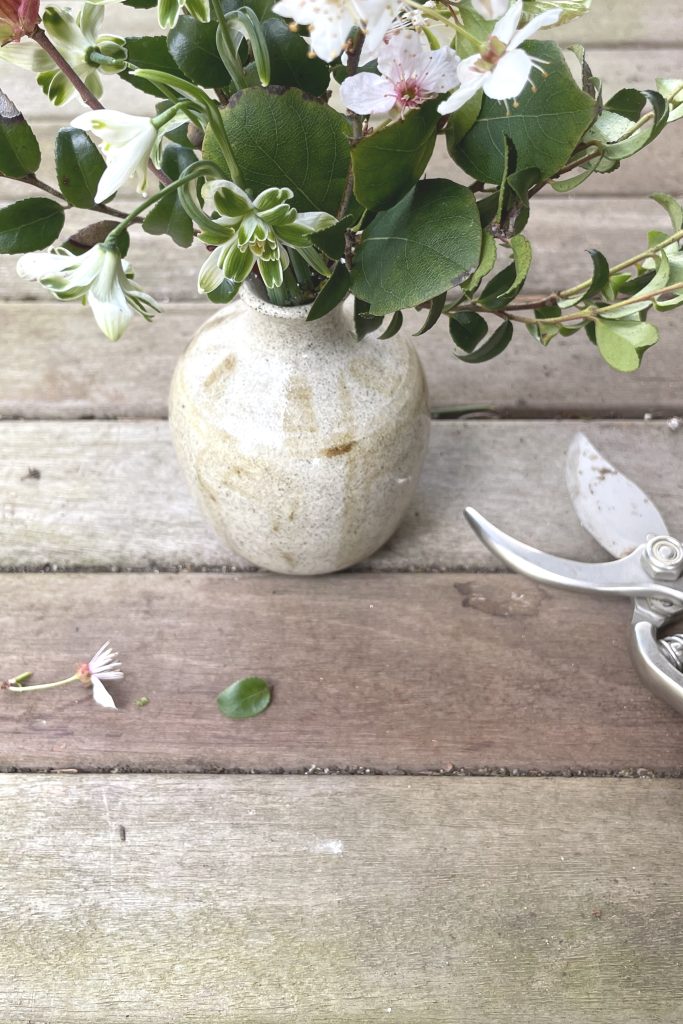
[[302, 445]]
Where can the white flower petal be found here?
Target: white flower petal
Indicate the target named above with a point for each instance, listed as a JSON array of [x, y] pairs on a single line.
[[460, 97], [101, 695], [210, 274], [441, 73], [490, 9], [330, 32], [507, 26], [510, 75], [368, 94], [542, 20], [402, 54]]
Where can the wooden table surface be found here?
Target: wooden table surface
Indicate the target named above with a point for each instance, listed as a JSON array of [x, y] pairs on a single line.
[[389, 856]]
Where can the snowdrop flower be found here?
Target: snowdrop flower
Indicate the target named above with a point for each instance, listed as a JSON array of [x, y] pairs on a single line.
[[501, 69], [99, 277], [127, 145], [330, 21], [409, 74], [490, 9], [101, 666], [76, 38], [247, 232]]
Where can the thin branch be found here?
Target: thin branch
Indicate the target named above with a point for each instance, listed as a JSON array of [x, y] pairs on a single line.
[[31, 179], [356, 122]]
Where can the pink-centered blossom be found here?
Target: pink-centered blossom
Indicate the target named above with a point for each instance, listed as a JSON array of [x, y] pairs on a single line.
[[501, 69], [101, 666], [17, 19], [410, 73]]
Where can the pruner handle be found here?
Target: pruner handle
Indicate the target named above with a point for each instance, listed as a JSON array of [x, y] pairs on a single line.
[[658, 673]]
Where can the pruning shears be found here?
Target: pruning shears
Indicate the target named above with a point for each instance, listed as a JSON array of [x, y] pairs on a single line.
[[648, 565]]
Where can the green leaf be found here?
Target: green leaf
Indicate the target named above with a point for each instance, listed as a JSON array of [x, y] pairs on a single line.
[[29, 225], [599, 281], [435, 310], [496, 344], [192, 45], [80, 165], [430, 240], [672, 91], [467, 330], [569, 8], [334, 291], [627, 103], [227, 291], [460, 122], [487, 261], [645, 135], [364, 321], [168, 216], [332, 240], [282, 138], [672, 207], [245, 698], [623, 343], [149, 52], [509, 282], [395, 325], [545, 126], [405, 146], [19, 149], [290, 63]]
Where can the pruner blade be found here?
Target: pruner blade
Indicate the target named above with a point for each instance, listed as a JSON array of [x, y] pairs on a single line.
[[626, 577]]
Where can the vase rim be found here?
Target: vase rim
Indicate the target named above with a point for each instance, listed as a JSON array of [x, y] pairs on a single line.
[[256, 301]]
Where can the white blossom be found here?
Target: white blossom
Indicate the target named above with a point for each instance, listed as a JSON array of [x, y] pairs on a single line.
[[330, 21], [502, 70], [99, 277], [75, 37], [410, 73], [102, 666], [128, 142], [248, 232]]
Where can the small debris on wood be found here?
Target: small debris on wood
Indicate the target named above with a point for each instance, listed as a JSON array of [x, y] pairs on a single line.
[[142, 702], [32, 474]]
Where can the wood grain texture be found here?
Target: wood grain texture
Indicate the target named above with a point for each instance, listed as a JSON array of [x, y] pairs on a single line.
[[385, 672], [55, 364], [111, 494], [316, 901]]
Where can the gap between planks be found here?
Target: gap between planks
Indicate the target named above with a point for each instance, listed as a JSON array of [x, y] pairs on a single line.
[[320, 901], [382, 673]]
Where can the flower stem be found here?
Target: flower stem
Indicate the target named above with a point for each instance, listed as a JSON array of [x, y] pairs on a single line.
[[31, 179], [18, 688], [198, 170], [353, 56]]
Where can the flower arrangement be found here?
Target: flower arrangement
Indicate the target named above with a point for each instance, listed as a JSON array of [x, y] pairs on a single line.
[[292, 140]]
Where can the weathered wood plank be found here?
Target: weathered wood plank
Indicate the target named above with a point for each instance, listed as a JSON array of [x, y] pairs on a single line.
[[315, 901], [388, 672], [110, 494], [561, 229], [55, 364]]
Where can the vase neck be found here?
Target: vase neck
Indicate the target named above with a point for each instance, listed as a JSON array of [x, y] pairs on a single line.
[[288, 326]]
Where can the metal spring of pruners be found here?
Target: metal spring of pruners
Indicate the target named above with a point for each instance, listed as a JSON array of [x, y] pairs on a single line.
[[648, 566]]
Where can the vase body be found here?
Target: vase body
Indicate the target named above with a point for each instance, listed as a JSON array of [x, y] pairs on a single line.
[[302, 445]]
